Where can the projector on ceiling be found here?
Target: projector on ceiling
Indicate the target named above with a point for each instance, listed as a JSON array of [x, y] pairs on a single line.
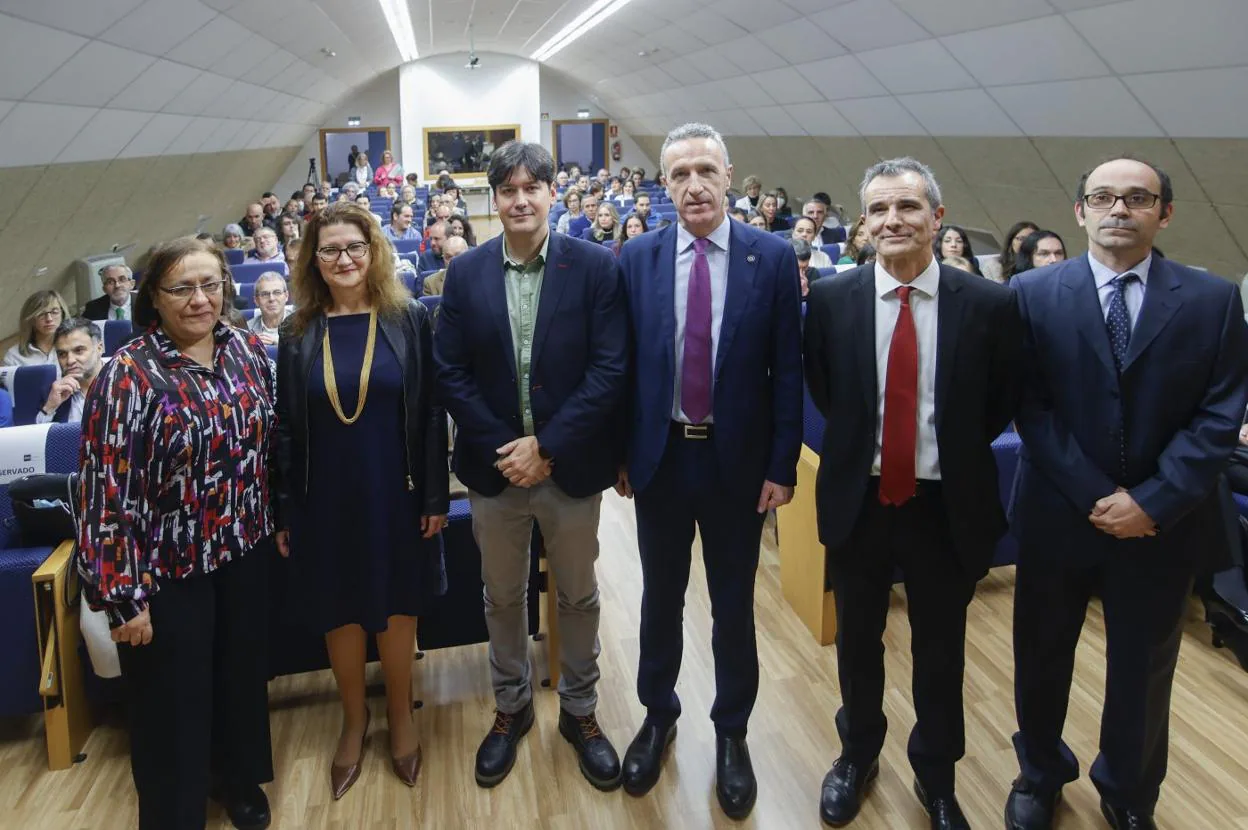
[[473, 62]]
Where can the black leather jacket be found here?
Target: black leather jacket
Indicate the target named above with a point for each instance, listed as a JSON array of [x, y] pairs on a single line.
[[411, 339]]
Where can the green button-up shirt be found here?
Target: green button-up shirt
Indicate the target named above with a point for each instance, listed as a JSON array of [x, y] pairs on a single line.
[[524, 288]]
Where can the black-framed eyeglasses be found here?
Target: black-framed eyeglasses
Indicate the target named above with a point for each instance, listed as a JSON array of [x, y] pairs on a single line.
[[48, 313], [186, 292], [330, 253], [1135, 200]]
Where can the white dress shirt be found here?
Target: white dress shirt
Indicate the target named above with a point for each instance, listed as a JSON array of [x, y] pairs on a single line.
[[1134, 296], [717, 260], [923, 310], [76, 402], [256, 324]]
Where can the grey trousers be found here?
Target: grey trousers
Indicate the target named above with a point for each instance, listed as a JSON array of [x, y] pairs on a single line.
[[503, 527]]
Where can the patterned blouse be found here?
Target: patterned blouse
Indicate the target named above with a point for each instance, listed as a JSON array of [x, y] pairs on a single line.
[[176, 459]]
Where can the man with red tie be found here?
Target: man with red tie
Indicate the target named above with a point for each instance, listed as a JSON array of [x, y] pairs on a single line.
[[716, 430], [914, 366]]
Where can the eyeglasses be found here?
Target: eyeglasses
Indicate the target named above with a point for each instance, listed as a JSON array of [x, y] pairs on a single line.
[[270, 295], [1135, 200], [51, 313], [356, 250], [186, 292], [114, 282]]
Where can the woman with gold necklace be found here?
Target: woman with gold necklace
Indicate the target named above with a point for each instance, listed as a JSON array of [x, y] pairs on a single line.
[[363, 458]]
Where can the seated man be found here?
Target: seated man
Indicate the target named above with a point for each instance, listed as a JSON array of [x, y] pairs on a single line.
[[270, 294], [431, 257], [400, 227], [79, 345], [267, 248], [451, 248], [117, 281], [641, 206]]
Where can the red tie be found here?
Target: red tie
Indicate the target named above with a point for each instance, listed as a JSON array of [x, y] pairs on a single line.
[[901, 409]]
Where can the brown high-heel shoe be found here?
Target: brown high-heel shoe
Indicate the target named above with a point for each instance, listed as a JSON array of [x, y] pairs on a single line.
[[407, 767], [341, 778]]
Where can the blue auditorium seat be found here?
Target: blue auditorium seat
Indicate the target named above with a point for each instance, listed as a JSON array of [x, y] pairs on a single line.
[[405, 246], [19, 657], [235, 256], [116, 334], [833, 250], [272, 352], [414, 283], [412, 257], [826, 272], [251, 271], [432, 302], [31, 385], [247, 293]]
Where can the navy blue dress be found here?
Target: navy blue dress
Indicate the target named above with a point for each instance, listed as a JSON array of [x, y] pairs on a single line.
[[357, 548]]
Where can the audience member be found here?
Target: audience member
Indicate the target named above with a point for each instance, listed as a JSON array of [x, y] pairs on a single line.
[[353, 156], [407, 193], [306, 193], [606, 224], [183, 579], [460, 226], [804, 228], [232, 236], [452, 196], [634, 226], [270, 295], [641, 205], [1003, 268], [961, 263], [953, 241], [361, 171], [400, 227], [358, 343], [326, 189], [116, 301], [867, 254], [817, 209], [42, 313], [319, 202], [1038, 249], [756, 219], [802, 249], [291, 253], [80, 354], [737, 213], [538, 440], [267, 248], [289, 228], [571, 201], [451, 248], [254, 220], [389, 172], [859, 238], [767, 209], [589, 214], [783, 209], [431, 258], [561, 179], [639, 176], [753, 187]]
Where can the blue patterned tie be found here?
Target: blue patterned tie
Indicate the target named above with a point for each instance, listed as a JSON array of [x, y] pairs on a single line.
[[1118, 321]]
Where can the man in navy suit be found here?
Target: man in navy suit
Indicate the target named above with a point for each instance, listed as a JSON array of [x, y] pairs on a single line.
[[532, 353], [914, 365], [716, 430], [1134, 390]]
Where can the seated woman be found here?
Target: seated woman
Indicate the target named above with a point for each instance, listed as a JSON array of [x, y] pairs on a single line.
[[756, 219], [783, 209], [767, 207], [452, 196], [572, 201], [232, 236], [389, 172], [858, 238], [1003, 268], [804, 228], [41, 314], [606, 224], [460, 226], [634, 225], [362, 173], [289, 228], [1037, 250], [953, 241], [628, 192]]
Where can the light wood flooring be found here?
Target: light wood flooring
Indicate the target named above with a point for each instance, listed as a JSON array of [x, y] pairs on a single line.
[[792, 736]]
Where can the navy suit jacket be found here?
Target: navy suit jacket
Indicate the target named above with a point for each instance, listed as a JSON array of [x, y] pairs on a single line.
[[578, 370], [430, 260], [758, 366], [1180, 399]]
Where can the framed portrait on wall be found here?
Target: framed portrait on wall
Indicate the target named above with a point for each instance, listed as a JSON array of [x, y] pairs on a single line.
[[464, 151]]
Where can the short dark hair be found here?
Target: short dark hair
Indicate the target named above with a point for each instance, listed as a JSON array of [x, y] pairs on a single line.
[[266, 194], [397, 208], [1167, 189], [514, 155], [73, 324], [822, 197], [164, 258]]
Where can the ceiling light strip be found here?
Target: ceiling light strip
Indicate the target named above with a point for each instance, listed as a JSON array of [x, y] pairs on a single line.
[[582, 23], [400, 23]]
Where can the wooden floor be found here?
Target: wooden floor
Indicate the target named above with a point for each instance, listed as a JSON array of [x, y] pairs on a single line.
[[792, 736]]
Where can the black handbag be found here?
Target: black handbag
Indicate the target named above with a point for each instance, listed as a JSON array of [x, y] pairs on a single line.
[[43, 509]]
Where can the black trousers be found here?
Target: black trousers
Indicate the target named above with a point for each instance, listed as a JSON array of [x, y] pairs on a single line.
[[916, 538], [689, 491], [1144, 598], [198, 693]]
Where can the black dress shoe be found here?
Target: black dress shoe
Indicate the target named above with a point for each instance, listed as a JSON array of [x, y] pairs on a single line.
[[246, 805], [497, 752], [1229, 624], [1120, 818], [644, 757], [735, 785], [942, 809], [1030, 806], [599, 763], [843, 787]]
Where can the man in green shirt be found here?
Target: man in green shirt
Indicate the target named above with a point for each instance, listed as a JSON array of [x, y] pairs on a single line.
[[532, 353]]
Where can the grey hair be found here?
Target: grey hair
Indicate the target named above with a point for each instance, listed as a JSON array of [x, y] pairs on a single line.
[[687, 131], [800, 247], [897, 167], [271, 275]]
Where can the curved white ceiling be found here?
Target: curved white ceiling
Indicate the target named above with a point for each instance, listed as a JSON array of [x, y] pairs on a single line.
[[101, 79]]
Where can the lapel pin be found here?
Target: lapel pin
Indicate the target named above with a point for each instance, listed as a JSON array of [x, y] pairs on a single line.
[[750, 258]]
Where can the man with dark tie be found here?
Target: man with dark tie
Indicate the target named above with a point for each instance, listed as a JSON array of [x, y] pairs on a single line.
[[716, 430], [1135, 378], [914, 366]]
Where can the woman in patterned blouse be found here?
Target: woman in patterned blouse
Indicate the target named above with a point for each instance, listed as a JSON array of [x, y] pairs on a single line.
[[174, 536]]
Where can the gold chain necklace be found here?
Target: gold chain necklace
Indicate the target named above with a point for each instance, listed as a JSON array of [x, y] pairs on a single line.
[[331, 384]]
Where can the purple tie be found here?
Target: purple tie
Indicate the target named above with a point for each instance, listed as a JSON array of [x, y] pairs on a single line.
[[695, 371]]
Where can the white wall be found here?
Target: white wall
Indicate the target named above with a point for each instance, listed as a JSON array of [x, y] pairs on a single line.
[[377, 105], [561, 100], [440, 92]]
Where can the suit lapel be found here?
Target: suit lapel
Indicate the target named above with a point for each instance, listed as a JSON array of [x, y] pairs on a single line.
[[1161, 301], [864, 300], [1085, 306], [559, 261], [949, 306], [742, 268], [665, 272], [495, 290]]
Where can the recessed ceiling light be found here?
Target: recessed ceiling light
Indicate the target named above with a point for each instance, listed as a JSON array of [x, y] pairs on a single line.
[[329, 53], [642, 53]]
